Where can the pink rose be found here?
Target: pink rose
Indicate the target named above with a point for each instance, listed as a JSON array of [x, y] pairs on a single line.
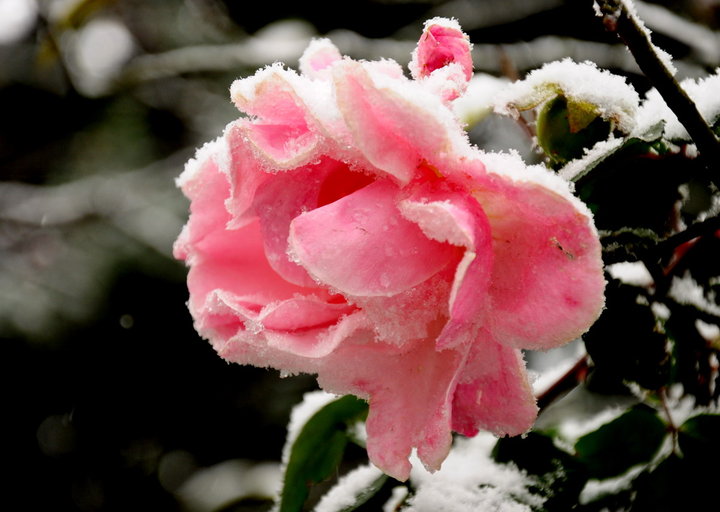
[[346, 227]]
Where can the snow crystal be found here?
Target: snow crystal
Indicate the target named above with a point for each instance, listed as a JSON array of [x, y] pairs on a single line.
[[631, 272], [661, 54], [478, 100], [708, 331], [470, 480], [595, 489], [703, 92], [350, 486], [614, 98], [549, 366], [685, 290], [398, 496]]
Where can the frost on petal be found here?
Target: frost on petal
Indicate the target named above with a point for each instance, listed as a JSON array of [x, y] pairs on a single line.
[[394, 123], [493, 393], [281, 130], [449, 216], [318, 57], [360, 245], [442, 42], [410, 393], [547, 285], [301, 326]]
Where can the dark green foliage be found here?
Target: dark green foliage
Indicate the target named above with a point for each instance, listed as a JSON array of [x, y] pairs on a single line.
[[318, 449], [624, 343], [633, 438], [560, 476]]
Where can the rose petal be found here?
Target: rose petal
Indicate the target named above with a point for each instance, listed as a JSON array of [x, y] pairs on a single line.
[[442, 42], [449, 216], [361, 245], [394, 133], [493, 393], [318, 57], [410, 394], [547, 285], [282, 132], [304, 326]]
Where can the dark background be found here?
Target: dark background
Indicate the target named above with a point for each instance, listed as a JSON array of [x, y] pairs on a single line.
[[110, 400]]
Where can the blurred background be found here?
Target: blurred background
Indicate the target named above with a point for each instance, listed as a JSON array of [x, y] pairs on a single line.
[[110, 400]]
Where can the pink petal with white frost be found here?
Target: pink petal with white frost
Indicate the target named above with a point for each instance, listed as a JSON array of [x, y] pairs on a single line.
[[417, 313], [318, 57], [410, 393], [244, 173], [306, 351], [547, 283], [493, 393], [282, 132], [442, 43], [449, 216], [302, 326], [396, 125], [361, 245], [220, 258]]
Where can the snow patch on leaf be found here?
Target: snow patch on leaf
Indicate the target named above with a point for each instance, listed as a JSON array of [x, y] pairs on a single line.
[[614, 99]]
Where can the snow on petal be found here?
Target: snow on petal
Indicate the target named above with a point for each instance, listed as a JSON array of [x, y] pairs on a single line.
[[346, 227], [392, 120], [448, 216], [442, 43], [318, 57]]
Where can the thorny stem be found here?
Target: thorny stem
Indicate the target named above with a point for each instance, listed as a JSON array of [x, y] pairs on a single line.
[[616, 18]]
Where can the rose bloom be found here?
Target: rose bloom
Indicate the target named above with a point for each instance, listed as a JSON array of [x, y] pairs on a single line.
[[346, 227]]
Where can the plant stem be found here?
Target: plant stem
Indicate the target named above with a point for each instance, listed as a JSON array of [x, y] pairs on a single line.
[[618, 19], [568, 381]]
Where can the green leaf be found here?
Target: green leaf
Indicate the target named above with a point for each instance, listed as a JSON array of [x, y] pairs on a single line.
[[363, 496], [565, 128], [624, 343], [699, 438], [633, 438], [677, 484], [318, 449]]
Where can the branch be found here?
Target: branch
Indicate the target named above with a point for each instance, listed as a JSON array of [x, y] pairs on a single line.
[[618, 18]]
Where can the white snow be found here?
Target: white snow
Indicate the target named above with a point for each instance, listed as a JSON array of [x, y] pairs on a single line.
[[686, 290], [478, 100], [470, 480], [613, 97], [704, 92], [661, 54], [350, 486], [631, 272]]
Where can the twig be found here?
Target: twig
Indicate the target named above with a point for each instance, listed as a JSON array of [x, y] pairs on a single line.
[[618, 19], [568, 381]]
